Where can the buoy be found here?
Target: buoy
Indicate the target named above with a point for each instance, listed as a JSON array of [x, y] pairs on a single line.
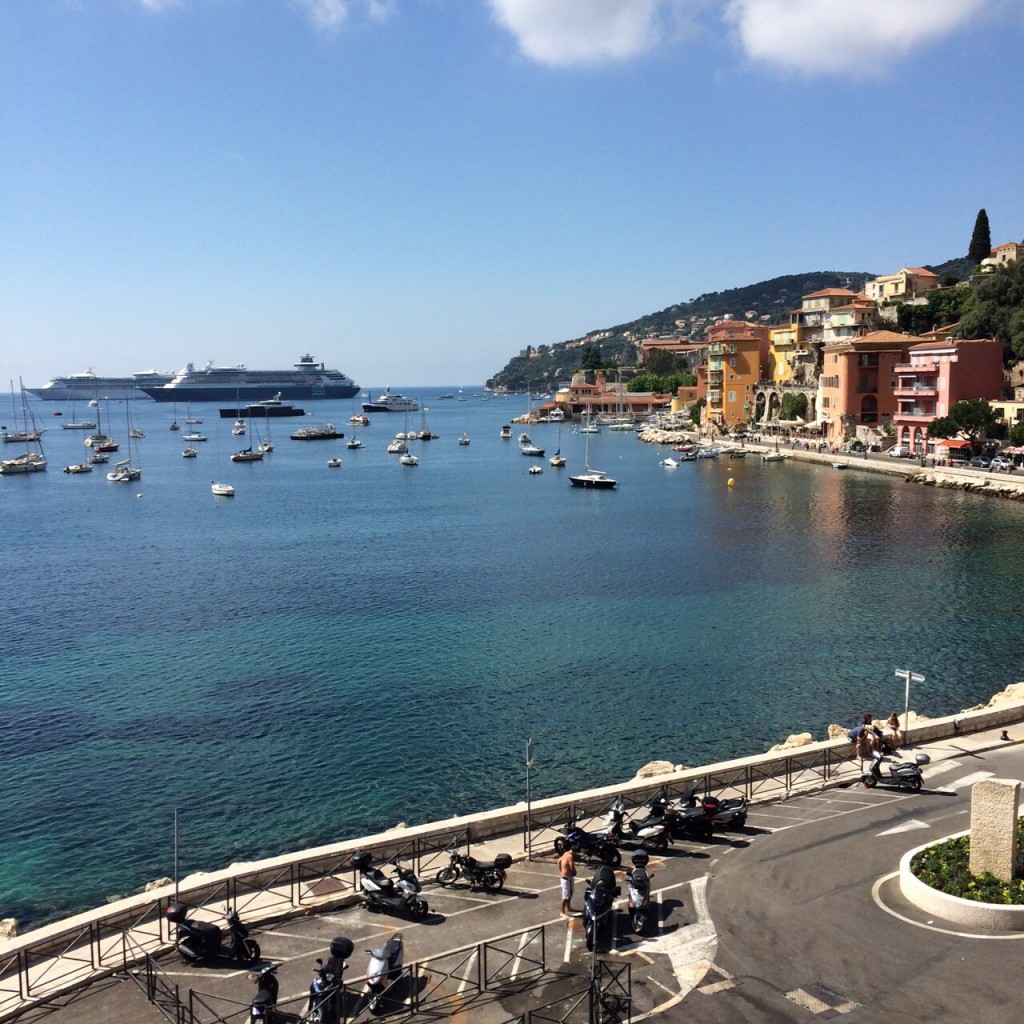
[[732, 483]]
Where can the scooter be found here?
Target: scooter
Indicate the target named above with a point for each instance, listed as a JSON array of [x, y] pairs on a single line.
[[725, 815], [684, 819], [639, 889], [490, 873], [267, 987], [905, 775], [651, 833], [383, 970], [589, 844], [200, 940], [598, 901], [325, 988], [379, 891]]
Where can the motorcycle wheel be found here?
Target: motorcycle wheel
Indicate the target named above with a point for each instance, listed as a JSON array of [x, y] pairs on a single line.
[[250, 951], [492, 881], [560, 845], [419, 908], [915, 785], [610, 855], [870, 781], [639, 922], [740, 822], [656, 842], [447, 875]]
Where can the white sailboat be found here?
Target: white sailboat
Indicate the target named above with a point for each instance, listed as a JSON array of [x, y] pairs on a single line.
[[218, 488], [125, 471], [33, 460], [75, 424]]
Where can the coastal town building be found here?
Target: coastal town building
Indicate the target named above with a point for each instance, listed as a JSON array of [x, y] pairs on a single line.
[[937, 375], [908, 286], [1002, 256], [737, 355], [856, 394]]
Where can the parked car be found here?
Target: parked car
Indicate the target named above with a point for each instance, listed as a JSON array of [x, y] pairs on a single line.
[[854, 446], [979, 462], [899, 451], [1003, 463]]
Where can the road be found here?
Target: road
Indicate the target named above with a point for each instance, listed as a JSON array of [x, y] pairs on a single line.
[[796, 919]]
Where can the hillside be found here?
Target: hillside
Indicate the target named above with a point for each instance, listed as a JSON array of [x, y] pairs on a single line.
[[546, 366]]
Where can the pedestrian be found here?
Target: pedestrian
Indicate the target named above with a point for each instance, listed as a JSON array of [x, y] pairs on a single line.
[[567, 874]]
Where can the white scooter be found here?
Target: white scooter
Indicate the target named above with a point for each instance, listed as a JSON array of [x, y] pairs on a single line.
[[383, 970], [379, 891]]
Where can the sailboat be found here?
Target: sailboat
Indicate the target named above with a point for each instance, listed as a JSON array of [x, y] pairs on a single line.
[[33, 460], [174, 422], [193, 434], [75, 424], [99, 442], [25, 434], [266, 445], [558, 459], [125, 471], [592, 478], [246, 454], [217, 488]]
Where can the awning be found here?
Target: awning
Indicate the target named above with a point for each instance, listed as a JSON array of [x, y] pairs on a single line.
[[951, 442]]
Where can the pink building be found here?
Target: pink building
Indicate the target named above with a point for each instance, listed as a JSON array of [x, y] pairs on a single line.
[[938, 375]]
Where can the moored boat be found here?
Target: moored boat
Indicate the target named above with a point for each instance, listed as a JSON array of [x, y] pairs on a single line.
[[389, 402]]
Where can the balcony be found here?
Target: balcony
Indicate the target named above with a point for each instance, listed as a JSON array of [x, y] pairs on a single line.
[[907, 390], [716, 377], [714, 398]]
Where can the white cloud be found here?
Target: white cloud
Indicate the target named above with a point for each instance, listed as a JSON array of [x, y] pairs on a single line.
[[826, 37], [326, 15], [566, 32], [158, 5]]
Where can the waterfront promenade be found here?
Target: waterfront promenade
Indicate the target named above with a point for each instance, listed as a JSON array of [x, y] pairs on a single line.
[[731, 915]]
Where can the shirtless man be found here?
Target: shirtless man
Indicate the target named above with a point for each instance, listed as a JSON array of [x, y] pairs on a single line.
[[567, 872]]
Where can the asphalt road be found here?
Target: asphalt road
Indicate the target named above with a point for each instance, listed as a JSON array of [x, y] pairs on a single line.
[[796, 919]]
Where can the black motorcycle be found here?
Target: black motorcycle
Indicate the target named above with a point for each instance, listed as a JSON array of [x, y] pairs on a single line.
[[490, 874], [267, 987], [598, 901], [200, 940], [325, 988], [588, 844]]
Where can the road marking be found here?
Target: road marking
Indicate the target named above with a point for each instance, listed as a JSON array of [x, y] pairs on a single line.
[[967, 780], [523, 942], [472, 960], [906, 826], [942, 766], [568, 943]]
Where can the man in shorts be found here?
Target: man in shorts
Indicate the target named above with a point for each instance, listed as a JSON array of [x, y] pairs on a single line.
[[567, 872]]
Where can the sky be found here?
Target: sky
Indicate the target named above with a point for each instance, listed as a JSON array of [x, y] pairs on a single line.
[[413, 191]]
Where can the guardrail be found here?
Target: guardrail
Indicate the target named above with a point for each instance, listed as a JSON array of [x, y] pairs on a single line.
[[52, 961]]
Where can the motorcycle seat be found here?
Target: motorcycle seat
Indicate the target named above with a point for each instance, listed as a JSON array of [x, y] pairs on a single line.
[[381, 880]]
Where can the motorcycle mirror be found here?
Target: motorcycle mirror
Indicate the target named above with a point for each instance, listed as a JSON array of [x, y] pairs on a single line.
[[319, 963]]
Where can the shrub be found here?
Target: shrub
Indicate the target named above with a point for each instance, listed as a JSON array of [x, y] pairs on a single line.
[[946, 867]]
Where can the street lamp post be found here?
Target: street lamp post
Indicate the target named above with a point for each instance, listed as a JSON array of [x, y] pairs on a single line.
[[908, 677]]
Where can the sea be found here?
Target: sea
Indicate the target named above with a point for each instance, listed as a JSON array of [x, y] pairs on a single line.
[[334, 651]]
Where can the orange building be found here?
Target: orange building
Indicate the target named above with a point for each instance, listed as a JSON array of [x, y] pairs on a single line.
[[857, 383], [737, 358]]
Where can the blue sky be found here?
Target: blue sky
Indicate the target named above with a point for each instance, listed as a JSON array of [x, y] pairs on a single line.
[[414, 190]]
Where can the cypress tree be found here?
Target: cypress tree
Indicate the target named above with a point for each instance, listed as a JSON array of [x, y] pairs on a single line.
[[981, 240]]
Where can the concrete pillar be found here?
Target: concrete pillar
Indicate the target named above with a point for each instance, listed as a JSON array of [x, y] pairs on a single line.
[[994, 827]]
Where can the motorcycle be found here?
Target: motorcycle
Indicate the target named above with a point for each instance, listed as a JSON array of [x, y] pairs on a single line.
[[383, 970], [200, 940], [651, 833], [589, 844], [489, 874], [905, 775], [379, 891], [639, 892], [683, 820], [325, 988], [724, 815], [598, 901], [267, 987]]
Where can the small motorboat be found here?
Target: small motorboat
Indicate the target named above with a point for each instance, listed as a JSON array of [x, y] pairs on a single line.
[[409, 460], [774, 457], [668, 463], [79, 467], [535, 470], [334, 463], [189, 453]]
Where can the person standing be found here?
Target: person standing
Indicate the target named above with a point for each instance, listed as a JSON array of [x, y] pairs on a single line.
[[567, 874]]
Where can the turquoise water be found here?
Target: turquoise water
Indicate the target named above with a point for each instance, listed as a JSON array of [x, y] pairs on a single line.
[[334, 651]]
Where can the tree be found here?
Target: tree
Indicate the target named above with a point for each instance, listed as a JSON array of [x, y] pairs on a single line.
[[659, 362], [975, 418], [696, 411], [590, 358], [996, 308], [793, 406], [1017, 433], [981, 240]]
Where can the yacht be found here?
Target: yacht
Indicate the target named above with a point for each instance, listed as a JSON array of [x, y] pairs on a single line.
[[388, 402]]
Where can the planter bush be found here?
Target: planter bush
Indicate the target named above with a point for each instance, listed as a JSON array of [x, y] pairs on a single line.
[[946, 867]]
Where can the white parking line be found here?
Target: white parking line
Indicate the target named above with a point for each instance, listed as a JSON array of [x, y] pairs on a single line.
[[967, 780]]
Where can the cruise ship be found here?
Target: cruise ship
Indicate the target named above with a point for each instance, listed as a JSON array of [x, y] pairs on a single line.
[[306, 379], [87, 385]]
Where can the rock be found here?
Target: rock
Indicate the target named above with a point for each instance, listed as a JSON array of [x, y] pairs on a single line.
[[837, 732], [1013, 694], [655, 768], [158, 883], [800, 739], [8, 929]]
